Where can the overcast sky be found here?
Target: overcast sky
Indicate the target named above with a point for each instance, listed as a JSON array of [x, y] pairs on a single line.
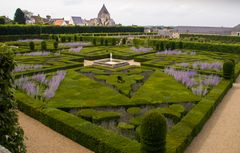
[[139, 12]]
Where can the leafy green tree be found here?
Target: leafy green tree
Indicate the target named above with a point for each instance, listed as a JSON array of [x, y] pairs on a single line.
[[2, 20], [11, 135], [19, 17], [153, 133]]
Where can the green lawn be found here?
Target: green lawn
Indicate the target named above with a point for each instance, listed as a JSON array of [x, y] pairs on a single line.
[[80, 91]]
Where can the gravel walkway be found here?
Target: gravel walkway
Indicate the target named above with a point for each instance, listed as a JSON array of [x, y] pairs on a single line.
[[221, 133], [42, 139]]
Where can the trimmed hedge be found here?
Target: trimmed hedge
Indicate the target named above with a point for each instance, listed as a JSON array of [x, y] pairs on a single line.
[[231, 39], [97, 116], [219, 47], [38, 29], [181, 135], [5, 38], [79, 130]]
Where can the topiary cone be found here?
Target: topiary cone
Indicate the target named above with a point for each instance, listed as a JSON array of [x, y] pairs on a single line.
[[153, 133]]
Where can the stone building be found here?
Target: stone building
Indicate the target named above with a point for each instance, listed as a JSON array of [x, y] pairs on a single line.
[[103, 19]]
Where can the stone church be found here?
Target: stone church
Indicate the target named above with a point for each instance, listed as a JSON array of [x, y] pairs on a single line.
[[103, 19]]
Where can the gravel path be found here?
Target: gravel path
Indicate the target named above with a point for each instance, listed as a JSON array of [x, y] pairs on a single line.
[[41, 139], [221, 133]]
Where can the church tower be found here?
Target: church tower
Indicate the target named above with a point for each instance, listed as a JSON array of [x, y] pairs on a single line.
[[104, 17]]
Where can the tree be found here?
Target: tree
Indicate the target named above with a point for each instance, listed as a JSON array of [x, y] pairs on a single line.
[[11, 136], [2, 20], [19, 17], [153, 133]]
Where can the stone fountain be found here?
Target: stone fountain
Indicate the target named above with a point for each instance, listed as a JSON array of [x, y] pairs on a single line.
[[110, 62]]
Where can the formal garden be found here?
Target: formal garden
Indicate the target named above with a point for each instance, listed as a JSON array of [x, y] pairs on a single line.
[[104, 108]]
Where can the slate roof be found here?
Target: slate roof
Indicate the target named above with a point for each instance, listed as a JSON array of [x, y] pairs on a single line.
[[236, 28], [77, 20]]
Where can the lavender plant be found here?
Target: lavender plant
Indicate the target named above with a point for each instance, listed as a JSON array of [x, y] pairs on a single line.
[[217, 66], [25, 67], [75, 50], [32, 85], [38, 53], [53, 84], [75, 44], [171, 52], [141, 49]]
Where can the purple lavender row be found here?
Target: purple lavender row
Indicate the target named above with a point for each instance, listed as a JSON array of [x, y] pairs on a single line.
[[200, 91], [185, 77], [211, 80], [174, 52], [25, 67], [30, 40], [75, 44], [41, 77], [141, 49], [217, 66], [27, 85], [75, 50], [53, 84], [38, 53], [171, 52]]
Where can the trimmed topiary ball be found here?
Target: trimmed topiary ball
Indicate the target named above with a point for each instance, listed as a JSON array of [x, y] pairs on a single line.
[[43, 45], [153, 133], [55, 45], [228, 70], [31, 46]]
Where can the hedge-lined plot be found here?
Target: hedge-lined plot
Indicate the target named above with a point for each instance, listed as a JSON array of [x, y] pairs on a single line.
[[103, 108]]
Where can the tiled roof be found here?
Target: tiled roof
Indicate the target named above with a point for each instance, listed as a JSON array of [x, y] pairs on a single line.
[[58, 22]]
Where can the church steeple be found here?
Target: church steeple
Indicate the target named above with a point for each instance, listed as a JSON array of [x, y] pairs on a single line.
[[103, 11]]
